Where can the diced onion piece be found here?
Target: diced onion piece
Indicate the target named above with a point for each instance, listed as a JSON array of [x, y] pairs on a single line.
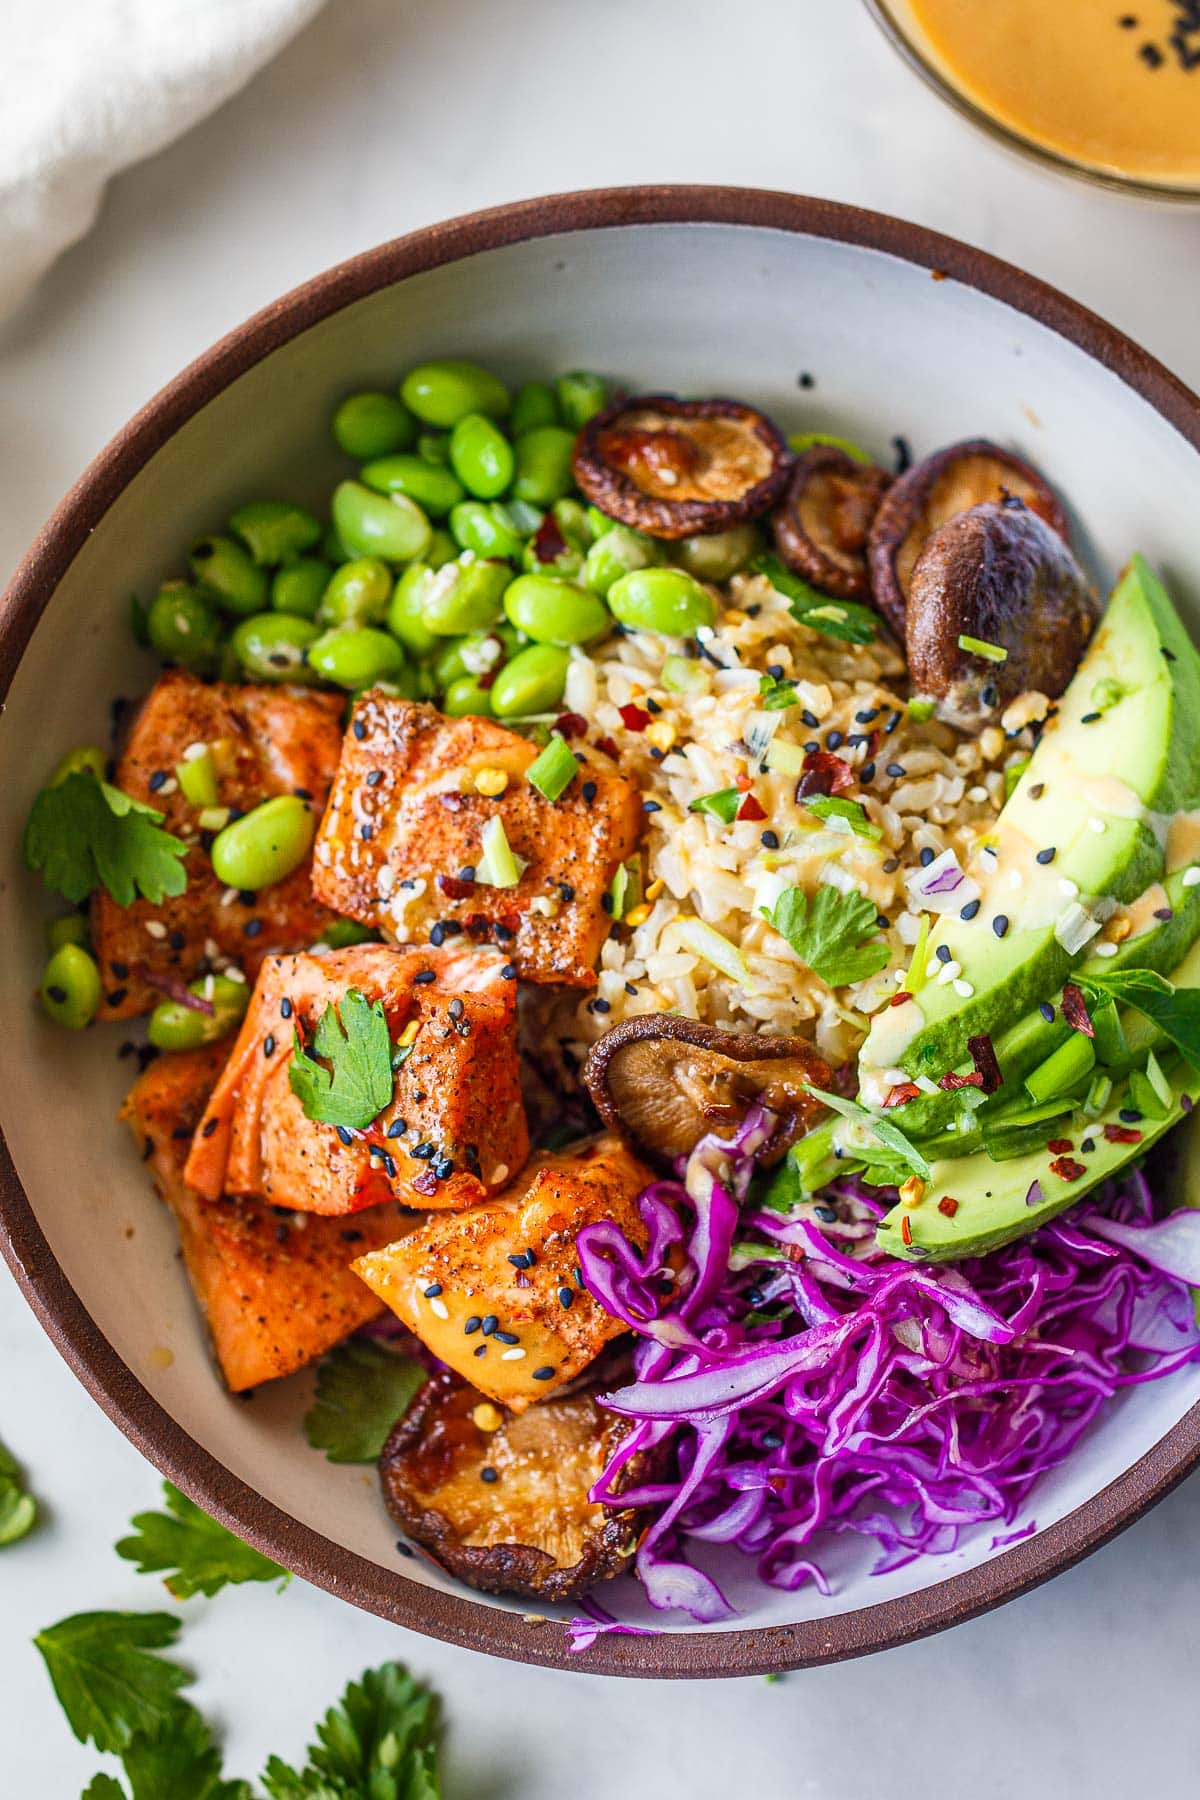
[[1074, 928], [941, 886], [785, 759], [707, 943]]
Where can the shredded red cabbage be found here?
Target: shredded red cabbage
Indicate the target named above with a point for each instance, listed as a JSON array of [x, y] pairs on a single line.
[[809, 1384]]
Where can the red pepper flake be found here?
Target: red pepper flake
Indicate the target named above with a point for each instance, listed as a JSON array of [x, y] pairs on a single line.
[[1059, 1145], [570, 725], [952, 1082], [905, 1229], [900, 999], [948, 1206], [425, 1183], [609, 747], [1122, 1134], [984, 1057], [743, 783], [549, 543], [902, 1093], [824, 773], [1067, 1169], [634, 718], [455, 888], [1075, 1012], [487, 679], [751, 809]]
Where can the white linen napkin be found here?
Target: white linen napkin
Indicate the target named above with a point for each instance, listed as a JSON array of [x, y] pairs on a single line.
[[90, 86]]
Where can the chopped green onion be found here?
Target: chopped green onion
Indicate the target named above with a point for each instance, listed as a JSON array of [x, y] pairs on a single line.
[[775, 696], [1063, 1069], [554, 770], [197, 777], [1012, 775], [1109, 1034], [827, 806], [625, 888], [685, 675], [916, 977], [785, 758], [213, 818], [1098, 1095], [919, 710], [722, 805], [1144, 1096], [707, 943], [498, 865], [1159, 1082], [980, 647], [800, 441]]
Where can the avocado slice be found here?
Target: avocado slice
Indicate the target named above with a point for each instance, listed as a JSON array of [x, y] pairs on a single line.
[[1087, 822]]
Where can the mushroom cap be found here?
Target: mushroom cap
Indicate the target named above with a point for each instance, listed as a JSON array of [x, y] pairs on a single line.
[[533, 1529], [664, 1081], [824, 521], [948, 482], [680, 468], [1001, 575]]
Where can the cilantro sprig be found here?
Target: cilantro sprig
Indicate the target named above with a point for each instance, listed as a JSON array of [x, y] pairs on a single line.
[[1175, 1010], [18, 1509], [198, 1555], [179, 1758], [380, 1742], [83, 834], [362, 1390], [109, 1681], [844, 619], [348, 1080], [831, 932]]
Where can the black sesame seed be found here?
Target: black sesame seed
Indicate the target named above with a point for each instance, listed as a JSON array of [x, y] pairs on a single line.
[[895, 770], [517, 1259], [970, 909], [253, 928], [588, 790], [246, 896], [456, 1008], [812, 744], [770, 840], [544, 1374], [397, 1128], [1089, 718], [834, 740], [177, 940], [425, 1150], [926, 857], [374, 777], [771, 1440], [345, 1135], [1151, 55], [442, 1167], [867, 773], [826, 1214], [893, 719], [117, 997], [775, 671], [389, 1163], [437, 934], [1129, 1115], [943, 953], [209, 1126], [856, 738], [1000, 924], [903, 454], [157, 780], [652, 706], [359, 729], [810, 719], [506, 1337], [990, 695], [269, 1044], [1047, 855], [566, 1296], [120, 970], [488, 1474], [600, 1006], [566, 891], [508, 972], [891, 865], [489, 1324], [366, 833], [285, 1008], [1168, 654], [57, 994], [404, 1549], [433, 1290], [651, 806], [1037, 790], [1047, 1011], [423, 977], [629, 988], [482, 1350], [471, 1325], [1164, 913], [467, 872], [1087, 1146]]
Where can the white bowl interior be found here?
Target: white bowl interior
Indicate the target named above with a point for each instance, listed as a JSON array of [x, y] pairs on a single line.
[[691, 308]]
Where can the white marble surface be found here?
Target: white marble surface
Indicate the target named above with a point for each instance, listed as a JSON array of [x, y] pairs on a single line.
[[387, 114]]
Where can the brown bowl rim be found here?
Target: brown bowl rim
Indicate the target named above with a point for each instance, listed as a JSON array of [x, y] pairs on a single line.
[[454, 1617]]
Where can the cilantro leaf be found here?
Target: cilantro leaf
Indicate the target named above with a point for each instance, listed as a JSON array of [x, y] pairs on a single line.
[[828, 933], [204, 1556], [885, 1133], [379, 1743], [830, 806], [108, 1682], [18, 1510], [84, 834], [362, 1390], [844, 619], [179, 1759], [1176, 1011], [353, 1039]]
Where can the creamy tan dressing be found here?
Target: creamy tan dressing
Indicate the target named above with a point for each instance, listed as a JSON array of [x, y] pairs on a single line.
[[1183, 841]]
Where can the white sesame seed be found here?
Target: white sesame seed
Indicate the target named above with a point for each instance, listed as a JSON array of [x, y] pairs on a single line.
[[169, 786], [233, 973], [963, 989], [155, 928], [932, 966], [1192, 878], [438, 1309], [513, 1355], [1105, 949], [948, 973], [1097, 825], [193, 751], [1068, 887], [229, 896]]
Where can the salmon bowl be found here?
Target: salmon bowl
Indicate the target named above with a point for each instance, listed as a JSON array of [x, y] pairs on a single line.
[[554, 880]]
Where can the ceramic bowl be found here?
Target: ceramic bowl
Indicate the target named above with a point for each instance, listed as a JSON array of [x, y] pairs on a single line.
[[831, 319]]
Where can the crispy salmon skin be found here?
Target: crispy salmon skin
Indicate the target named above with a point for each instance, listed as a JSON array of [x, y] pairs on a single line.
[[275, 1290], [456, 1098], [402, 836], [495, 1292], [270, 740]]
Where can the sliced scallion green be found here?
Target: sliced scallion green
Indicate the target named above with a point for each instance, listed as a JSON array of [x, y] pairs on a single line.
[[554, 770]]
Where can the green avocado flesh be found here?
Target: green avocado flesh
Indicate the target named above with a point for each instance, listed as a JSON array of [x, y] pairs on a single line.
[[1118, 760]]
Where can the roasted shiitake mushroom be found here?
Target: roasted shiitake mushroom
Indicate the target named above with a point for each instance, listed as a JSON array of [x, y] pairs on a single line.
[[949, 482], [680, 468], [501, 1501], [663, 1081], [822, 526], [996, 576]]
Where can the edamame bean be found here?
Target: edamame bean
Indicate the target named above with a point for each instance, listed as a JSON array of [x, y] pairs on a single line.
[[414, 682], [442, 549], [264, 846], [183, 627], [271, 646], [617, 552], [434, 489], [543, 465], [721, 555], [571, 517], [355, 656], [391, 526], [228, 574], [441, 393], [668, 601], [533, 682], [298, 586], [358, 593], [404, 614], [89, 760], [551, 611], [372, 424], [70, 990], [467, 601], [580, 396], [533, 407], [275, 531], [174, 1026], [465, 697], [566, 566], [485, 530], [481, 456], [72, 928], [340, 934]]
